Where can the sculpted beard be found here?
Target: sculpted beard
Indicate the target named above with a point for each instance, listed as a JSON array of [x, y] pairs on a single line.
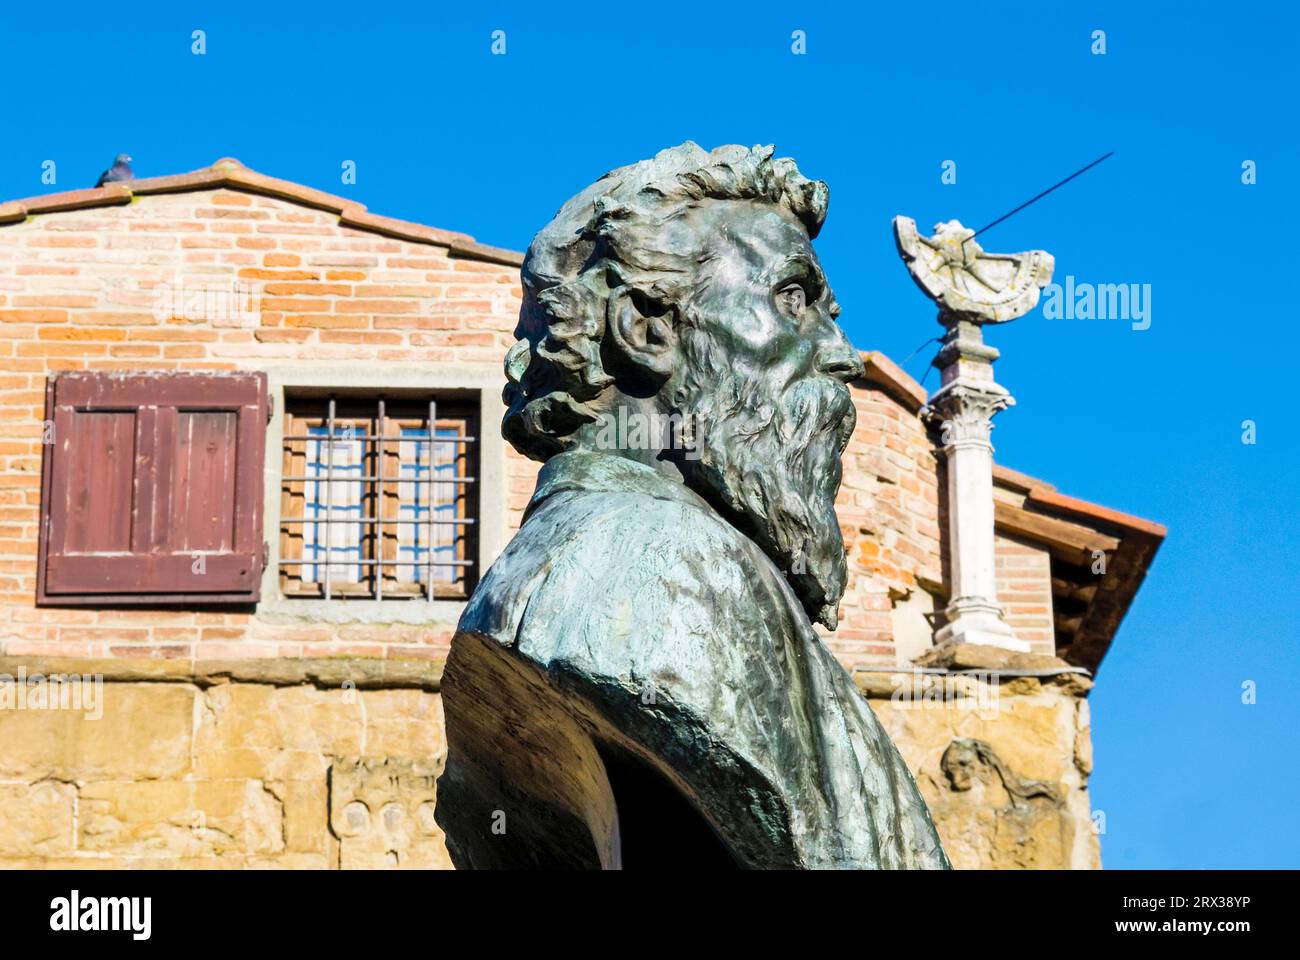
[[769, 459]]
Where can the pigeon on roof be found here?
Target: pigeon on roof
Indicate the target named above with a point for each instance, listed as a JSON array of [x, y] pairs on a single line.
[[118, 172]]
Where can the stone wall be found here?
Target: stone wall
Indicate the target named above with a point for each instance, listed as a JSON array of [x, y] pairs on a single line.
[[228, 765], [1002, 761], [333, 764]]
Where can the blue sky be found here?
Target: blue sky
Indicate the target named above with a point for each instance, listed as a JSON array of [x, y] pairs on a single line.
[[1147, 421]]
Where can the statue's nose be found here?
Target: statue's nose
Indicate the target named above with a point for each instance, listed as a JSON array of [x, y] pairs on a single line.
[[837, 357]]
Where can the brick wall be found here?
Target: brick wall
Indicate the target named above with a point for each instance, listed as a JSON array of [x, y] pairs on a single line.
[[889, 510], [1024, 578], [80, 290]]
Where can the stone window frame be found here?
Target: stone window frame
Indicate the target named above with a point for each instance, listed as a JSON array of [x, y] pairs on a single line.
[[485, 382]]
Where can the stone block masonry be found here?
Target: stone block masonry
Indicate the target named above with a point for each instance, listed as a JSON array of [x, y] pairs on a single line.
[[333, 764], [229, 768]]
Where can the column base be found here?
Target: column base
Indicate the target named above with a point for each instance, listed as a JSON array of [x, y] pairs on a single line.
[[972, 620]]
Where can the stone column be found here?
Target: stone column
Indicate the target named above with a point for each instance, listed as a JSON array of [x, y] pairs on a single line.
[[971, 288], [963, 408]]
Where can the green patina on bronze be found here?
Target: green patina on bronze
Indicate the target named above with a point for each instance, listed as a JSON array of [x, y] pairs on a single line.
[[636, 681]]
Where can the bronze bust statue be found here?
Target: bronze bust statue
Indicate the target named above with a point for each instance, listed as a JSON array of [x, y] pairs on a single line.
[[636, 681]]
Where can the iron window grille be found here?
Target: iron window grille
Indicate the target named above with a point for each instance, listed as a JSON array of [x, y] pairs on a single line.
[[375, 505]]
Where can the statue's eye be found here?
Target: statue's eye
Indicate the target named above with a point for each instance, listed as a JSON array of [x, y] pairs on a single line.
[[792, 300]]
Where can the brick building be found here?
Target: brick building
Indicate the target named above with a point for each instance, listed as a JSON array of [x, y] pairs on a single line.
[[250, 466]]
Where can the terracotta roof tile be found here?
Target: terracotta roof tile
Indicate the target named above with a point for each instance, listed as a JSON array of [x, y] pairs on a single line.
[[231, 174], [893, 379], [1017, 480], [1048, 499]]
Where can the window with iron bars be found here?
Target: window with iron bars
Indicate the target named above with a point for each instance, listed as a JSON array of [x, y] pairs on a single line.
[[379, 498]]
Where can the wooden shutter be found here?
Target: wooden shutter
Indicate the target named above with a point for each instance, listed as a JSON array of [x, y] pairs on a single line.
[[152, 488]]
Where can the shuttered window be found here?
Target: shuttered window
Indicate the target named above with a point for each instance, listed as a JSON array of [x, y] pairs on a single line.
[[152, 488]]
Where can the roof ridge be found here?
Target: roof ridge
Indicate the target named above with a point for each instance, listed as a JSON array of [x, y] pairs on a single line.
[[231, 173], [881, 371]]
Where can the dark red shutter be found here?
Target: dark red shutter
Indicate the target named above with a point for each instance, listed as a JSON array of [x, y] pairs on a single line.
[[152, 488]]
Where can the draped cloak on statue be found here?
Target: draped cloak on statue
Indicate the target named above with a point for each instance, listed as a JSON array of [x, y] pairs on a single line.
[[635, 683]]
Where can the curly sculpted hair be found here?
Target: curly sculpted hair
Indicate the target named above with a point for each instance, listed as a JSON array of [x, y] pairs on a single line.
[[624, 232]]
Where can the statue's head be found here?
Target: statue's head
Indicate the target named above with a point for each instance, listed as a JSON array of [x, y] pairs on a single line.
[[686, 287]]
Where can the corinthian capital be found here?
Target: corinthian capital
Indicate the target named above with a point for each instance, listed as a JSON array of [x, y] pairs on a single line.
[[964, 412]]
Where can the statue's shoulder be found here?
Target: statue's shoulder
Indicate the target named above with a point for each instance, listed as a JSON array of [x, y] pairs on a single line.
[[598, 561]]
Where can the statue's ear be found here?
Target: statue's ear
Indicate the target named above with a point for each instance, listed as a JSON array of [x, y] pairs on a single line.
[[644, 332]]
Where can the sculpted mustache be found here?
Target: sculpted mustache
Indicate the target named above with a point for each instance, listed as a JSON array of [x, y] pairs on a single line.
[[808, 424], [833, 415], [829, 409]]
